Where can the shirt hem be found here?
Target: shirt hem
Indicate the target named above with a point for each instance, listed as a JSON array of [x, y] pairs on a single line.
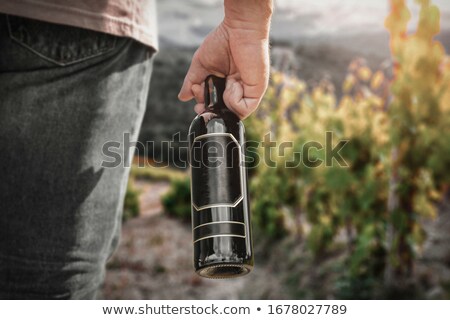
[[80, 18]]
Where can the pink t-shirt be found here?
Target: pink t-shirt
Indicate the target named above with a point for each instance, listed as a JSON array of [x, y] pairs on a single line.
[[129, 18]]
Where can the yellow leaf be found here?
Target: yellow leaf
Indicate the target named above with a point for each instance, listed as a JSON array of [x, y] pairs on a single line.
[[349, 82], [377, 80], [364, 73]]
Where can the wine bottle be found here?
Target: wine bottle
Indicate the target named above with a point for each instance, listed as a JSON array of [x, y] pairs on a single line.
[[220, 206]]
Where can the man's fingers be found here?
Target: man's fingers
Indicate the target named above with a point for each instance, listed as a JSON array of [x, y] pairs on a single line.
[[195, 75], [199, 92], [235, 100], [185, 93], [240, 102], [199, 108]]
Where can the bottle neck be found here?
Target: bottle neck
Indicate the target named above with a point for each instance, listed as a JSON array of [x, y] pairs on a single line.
[[214, 90]]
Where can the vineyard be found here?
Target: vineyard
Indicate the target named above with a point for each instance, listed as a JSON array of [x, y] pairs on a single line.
[[369, 211], [396, 124]]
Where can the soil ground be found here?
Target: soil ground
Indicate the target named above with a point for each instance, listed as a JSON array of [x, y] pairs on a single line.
[[154, 261]]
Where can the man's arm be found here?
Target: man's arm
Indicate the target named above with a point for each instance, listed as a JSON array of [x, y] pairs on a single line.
[[237, 49]]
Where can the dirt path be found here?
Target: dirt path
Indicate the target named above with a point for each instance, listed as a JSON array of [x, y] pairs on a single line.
[[154, 260]]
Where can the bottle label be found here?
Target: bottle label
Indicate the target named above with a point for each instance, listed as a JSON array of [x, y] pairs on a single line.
[[216, 171], [219, 229]]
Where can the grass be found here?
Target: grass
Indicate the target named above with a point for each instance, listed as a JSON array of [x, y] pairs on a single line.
[[149, 173], [157, 173]]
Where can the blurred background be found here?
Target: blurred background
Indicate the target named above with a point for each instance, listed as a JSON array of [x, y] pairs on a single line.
[[375, 73]]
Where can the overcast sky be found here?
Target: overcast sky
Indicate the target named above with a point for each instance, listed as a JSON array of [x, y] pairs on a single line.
[[187, 22]]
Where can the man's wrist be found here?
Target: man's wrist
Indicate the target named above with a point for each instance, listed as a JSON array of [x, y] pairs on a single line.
[[249, 15]]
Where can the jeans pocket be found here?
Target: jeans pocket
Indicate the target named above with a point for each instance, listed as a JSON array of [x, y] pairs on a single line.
[[60, 44]]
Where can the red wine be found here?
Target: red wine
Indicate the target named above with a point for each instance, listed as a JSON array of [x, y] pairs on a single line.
[[220, 207]]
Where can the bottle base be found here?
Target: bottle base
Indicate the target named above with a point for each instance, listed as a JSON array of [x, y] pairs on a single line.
[[224, 270]]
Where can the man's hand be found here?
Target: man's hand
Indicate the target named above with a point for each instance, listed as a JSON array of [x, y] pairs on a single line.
[[237, 49]]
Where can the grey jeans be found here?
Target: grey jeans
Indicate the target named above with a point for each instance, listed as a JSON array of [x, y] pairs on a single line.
[[64, 93]]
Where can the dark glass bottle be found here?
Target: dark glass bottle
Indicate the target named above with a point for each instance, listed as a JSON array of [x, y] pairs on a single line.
[[220, 206]]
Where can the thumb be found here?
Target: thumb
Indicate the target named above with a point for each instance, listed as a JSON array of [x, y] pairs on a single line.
[[195, 75]]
